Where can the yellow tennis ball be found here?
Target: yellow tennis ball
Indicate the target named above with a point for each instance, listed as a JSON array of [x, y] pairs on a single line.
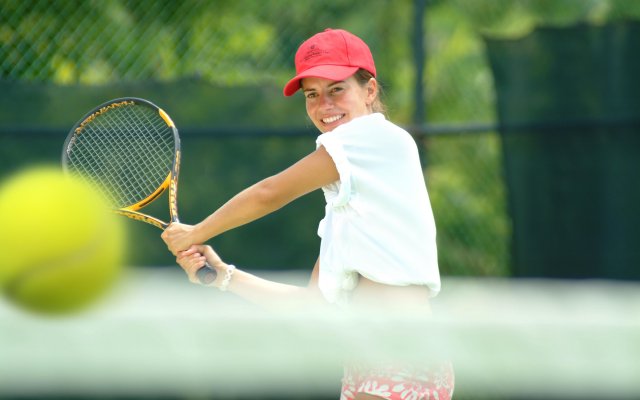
[[61, 247]]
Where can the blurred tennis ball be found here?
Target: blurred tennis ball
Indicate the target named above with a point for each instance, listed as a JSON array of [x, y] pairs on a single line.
[[62, 248]]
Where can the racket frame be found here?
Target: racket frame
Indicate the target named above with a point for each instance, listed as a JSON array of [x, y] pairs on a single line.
[[171, 181]]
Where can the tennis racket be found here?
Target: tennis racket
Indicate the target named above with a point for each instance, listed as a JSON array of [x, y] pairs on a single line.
[[129, 149]]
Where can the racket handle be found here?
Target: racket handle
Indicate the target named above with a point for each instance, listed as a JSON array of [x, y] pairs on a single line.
[[207, 274]]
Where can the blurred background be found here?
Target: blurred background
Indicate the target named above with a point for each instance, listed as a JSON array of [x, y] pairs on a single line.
[[525, 113]]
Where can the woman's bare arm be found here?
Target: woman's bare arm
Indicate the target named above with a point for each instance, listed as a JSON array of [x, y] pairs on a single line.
[[310, 173]]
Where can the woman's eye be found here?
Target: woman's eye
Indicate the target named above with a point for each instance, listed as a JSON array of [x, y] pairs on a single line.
[[310, 95]]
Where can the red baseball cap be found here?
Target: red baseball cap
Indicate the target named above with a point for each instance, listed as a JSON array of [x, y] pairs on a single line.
[[333, 54]]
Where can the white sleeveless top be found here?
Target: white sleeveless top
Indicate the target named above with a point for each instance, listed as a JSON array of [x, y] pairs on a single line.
[[378, 219]]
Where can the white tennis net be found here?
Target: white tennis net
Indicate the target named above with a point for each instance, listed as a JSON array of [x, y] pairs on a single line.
[[157, 335]]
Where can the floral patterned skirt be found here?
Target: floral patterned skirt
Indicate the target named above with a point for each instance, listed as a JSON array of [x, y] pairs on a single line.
[[399, 382]]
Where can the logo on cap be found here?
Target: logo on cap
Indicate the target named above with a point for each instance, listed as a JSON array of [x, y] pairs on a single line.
[[314, 52]]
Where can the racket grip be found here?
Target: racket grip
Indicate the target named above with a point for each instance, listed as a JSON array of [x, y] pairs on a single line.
[[207, 274]]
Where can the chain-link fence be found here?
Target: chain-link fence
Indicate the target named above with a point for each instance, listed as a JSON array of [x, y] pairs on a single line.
[[224, 42], [219, 67]]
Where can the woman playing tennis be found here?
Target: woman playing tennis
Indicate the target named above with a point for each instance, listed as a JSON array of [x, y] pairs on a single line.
[[378, 237]]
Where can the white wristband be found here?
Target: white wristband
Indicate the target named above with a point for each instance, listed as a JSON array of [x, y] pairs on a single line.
[[227, 277]]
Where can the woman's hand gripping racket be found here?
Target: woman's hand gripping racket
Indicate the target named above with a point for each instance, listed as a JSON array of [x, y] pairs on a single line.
[[129, 149]]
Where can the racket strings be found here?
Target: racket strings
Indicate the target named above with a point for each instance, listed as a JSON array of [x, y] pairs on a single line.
[[127, 151]]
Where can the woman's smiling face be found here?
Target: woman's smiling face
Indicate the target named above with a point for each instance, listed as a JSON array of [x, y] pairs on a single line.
[[333, 103]]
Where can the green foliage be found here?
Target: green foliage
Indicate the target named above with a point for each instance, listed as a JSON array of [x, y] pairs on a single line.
[[240, 42], [464, 172], [516, 18], [468, 196]]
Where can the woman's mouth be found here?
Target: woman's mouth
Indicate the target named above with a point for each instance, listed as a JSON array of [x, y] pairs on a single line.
[[330, 120]]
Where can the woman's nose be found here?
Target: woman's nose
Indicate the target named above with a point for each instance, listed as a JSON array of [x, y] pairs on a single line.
[[325, 100]]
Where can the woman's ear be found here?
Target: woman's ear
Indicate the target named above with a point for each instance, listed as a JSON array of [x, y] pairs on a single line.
[[372, 90], [372, 86]]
